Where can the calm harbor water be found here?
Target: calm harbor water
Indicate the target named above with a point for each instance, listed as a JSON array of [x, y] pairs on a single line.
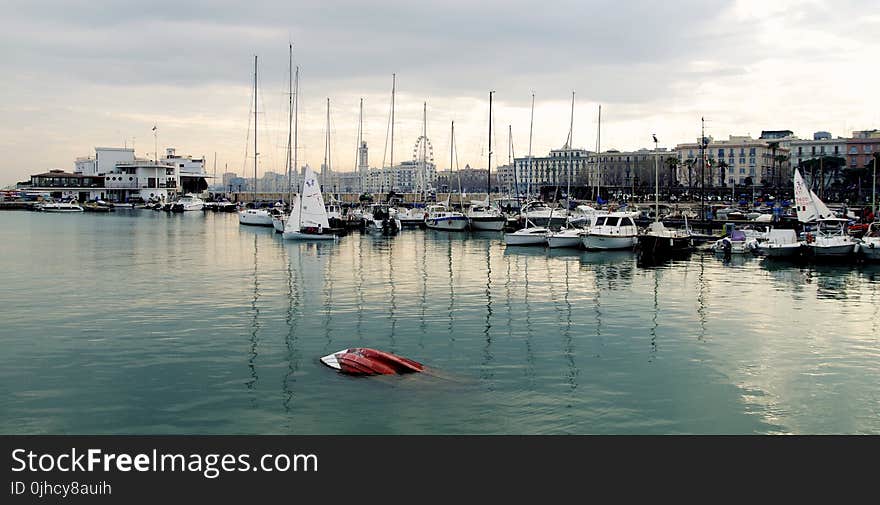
[[143, 322]]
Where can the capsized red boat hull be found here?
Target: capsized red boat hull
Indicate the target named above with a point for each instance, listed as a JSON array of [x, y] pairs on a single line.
[[366, 361]]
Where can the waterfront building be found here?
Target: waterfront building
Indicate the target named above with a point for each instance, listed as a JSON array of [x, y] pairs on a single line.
[[190, 171], [822, 145], [551, 169], [473, 180], [227, 178], [401, 178], [64, 185], [745, 160], [631, 169], [862, 148]]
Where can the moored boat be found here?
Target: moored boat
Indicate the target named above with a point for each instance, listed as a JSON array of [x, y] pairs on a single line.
[[613, 230]]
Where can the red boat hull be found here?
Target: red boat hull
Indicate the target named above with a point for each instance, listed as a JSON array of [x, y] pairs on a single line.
[[366, 361]]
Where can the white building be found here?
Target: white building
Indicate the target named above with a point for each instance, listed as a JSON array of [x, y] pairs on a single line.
[[403, 178], [822, 145], [743, 157]]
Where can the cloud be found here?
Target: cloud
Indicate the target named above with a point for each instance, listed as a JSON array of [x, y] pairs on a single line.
[[76, 74]]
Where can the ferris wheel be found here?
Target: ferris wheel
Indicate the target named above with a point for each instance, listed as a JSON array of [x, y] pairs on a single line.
[[423, 152]]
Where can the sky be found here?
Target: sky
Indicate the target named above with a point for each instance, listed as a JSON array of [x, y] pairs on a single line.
[[79, 74]]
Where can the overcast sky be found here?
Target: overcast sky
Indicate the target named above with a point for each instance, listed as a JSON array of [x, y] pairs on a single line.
[[78, 74]]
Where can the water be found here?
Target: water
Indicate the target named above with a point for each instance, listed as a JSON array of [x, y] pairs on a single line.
[[142, 322]]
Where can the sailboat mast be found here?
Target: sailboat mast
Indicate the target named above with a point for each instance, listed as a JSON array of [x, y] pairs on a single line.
[[570, 156], [529, 170], [489, 167], [393, 88], [513, 161], [424, 151], [289, 124], [656, 183], [255, 131], [357, 158], [326, 167], [598, 153], [295, 120]]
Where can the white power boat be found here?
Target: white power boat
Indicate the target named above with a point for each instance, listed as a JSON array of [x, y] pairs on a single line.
[[482, 216], [738, 242], [566, 237], [380, 218], [411, 216], [830, 239], [188, 202], [530, 235], [255, 217], [869, 247], [308, 216], [441, 217], [542, 214], [613, 230], [53, 206], [779, 244], [583, 216]]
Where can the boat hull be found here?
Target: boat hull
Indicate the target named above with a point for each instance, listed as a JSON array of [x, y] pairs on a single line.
[[870, 250], [447, 223], [531, 240], [608, 242], [296, 235], [778, 251], [487, 223], [253, 219], [831, 251], [564, 241], [660, 246]]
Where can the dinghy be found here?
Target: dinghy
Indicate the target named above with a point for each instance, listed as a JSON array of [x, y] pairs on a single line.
[[366, 361]]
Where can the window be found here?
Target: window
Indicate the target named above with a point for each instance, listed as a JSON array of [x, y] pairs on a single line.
[[822, 149], [752, 151], [742, 170], [752, 171], [721, 153], [800, 150], [867, 149], [853, 150], [752, 161], [814, 150], [742, 161], [836, 149]]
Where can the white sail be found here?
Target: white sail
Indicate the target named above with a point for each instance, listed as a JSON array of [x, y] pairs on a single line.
[[809, 207], [312, 210], [821, 209]]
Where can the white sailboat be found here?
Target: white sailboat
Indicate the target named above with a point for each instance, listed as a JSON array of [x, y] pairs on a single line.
[[255, 216], [829, 238], [440, 216], [483, 216], [279, 220], [308, 220], [567, 236], [531, 234]]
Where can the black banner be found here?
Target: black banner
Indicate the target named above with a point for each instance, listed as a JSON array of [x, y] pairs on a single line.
[[404, 469]]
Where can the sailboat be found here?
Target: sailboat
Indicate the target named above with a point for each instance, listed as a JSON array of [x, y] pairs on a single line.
[[658, 241], [567, 236], [441, 216], [255, 216], [308, 217], [482, 216], [416, 215], [278, 221], [531, 234], [829, 239], [380, 217]]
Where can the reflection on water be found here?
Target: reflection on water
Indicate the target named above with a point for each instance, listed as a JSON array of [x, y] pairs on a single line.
[[533, 340]]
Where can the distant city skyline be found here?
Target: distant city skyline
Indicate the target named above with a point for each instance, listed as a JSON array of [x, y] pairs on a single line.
[[74, 78]]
